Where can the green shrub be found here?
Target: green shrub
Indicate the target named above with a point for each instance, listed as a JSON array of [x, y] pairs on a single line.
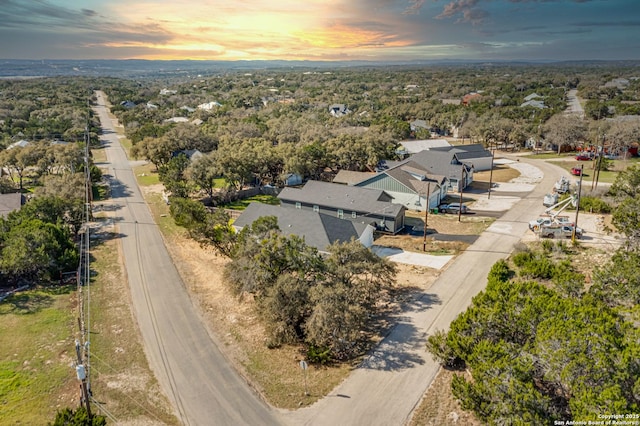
[[441, 351], [80, 417], [319, 355], [500, 272], [538, 266], [594, 205], [520, 259]]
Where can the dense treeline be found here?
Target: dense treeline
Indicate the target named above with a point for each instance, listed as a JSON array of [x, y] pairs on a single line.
[[556, 348], [46, 109], [260, 127], [37, 242]]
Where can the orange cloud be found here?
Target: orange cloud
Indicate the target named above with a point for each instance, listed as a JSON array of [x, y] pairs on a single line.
[[258, 30]]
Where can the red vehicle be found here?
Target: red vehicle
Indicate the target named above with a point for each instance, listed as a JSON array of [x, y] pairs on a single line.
[[576, 171], [583, 157]]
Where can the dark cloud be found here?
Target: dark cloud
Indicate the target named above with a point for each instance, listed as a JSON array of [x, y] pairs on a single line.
[[75, 29], [474, 16], [634, 24]]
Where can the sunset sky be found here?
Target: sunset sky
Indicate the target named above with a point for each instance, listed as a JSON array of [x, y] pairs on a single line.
[[374, 30]]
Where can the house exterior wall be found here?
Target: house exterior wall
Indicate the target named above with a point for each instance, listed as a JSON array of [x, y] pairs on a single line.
[[366, 239], [393, 224], [480, 164], [418, 202]]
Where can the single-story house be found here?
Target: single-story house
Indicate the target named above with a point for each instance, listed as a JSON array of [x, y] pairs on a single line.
[[357, 204], [534, 103], [409, 184], [419, 125], [209, 105], [20, 144], [11, 202], [474, 154], [532, 96], [413, 147], [319, 230], [338, 110], [292, 179], [176, 120], [191, 154]]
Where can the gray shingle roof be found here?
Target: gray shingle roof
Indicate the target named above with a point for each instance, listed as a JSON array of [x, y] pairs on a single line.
[[437, 162], [352, 198], [318, 230], [349, 177], [10, 202]]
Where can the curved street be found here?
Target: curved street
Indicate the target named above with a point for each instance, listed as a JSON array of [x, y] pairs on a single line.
[[203, 387]]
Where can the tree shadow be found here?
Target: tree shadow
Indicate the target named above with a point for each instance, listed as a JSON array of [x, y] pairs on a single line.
[[469, 239], [117, 188], [26, 303], [104, 207], [57, 289], [100, 237], [404, 344], [399, 350]]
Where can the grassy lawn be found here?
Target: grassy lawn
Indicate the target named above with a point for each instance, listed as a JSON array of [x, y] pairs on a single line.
[[262, 198], [549, 155], [99, 155], [37, 334], [146, 175], [606, 176]]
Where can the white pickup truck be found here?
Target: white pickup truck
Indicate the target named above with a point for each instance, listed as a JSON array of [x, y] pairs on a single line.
[[558, 231], [535, 225]]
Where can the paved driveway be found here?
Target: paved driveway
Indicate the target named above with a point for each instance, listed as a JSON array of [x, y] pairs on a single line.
[[391, 381]]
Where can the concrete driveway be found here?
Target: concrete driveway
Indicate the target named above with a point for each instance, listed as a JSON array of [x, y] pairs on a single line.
[[391, 381]]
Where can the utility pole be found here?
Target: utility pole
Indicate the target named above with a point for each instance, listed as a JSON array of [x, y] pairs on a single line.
[[461, 189], [599, 163], [575, 225], [82, 376], [426, 217], [593, 179], [490, 177]]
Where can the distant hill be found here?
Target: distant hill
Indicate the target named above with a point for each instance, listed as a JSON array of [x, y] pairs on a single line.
[[138, 68]]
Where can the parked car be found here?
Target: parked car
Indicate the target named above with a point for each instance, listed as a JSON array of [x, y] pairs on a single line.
[[583, 157], [454, 208], [576, 171]]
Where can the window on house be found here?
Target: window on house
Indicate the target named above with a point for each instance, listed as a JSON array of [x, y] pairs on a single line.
[[316, 208], [340, 214], [298, 206], [353, 215]]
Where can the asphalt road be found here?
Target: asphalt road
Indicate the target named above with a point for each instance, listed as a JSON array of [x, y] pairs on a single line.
[[391, 381], [201, 385]]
